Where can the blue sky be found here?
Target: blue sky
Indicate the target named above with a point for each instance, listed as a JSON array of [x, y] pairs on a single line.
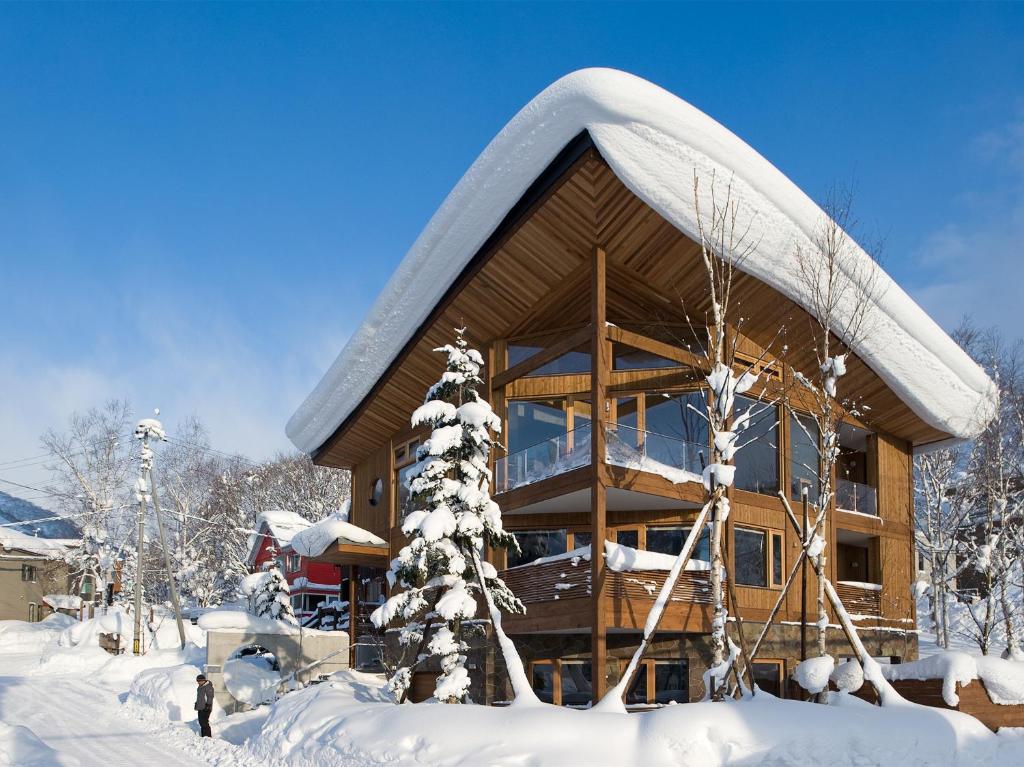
[[199, 202]]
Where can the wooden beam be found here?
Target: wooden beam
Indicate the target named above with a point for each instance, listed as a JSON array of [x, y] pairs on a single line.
[[599, 375], [553, 352], [668, 351]]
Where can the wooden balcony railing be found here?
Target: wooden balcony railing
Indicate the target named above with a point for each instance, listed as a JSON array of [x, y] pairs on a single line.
[[859, 599], [570, 579]]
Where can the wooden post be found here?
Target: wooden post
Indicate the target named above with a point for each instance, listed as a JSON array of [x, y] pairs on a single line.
[[599, 372], [353, 614], [803, 584]]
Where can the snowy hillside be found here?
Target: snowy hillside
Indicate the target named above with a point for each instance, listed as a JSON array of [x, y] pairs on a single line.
[[14, 509]]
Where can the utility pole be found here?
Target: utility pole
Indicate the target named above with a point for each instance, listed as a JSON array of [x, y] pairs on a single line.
[[145, 488], [167, 558]]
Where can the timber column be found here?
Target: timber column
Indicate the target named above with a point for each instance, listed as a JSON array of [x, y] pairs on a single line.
[[599, 367]]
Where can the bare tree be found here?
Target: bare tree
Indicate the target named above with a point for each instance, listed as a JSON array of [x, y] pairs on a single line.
[[842, 287]]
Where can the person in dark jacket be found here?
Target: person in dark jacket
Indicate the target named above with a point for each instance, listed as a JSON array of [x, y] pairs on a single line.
[[204, 704]]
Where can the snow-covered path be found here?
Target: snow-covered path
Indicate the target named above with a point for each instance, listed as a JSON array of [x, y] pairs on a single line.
[[77, 717]]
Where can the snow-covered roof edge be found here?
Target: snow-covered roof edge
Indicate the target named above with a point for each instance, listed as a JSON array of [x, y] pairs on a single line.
[[654, 142]]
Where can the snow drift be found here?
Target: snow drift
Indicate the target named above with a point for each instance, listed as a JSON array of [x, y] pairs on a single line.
[[654, 142]]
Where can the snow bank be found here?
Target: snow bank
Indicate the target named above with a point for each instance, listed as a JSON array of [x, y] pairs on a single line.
[[655, 143], [19, 747], [19, 636], [315, 539], [170, 691], [322, 725], [1004, 679]]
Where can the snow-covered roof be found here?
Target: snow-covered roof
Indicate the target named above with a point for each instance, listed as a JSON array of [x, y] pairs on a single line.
[[45, 547], [315, 539], [654, 142], [280, 525]]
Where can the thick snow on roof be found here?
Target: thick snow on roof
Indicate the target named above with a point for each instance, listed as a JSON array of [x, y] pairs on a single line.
[[654, 142], [46, 547], [315, 539], [283, 525]]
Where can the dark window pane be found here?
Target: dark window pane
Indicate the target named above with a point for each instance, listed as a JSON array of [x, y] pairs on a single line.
[[768, 678], [576, 684], [535, 544], [638, 692], [669, 540], [676, 435], [402, 491], [544, 681], [572, 362], [579, 540], [750, 563], [530, 423], [629, 538], [757, 462], [776, 560], [629, 358], [671, 681], [803, 465]]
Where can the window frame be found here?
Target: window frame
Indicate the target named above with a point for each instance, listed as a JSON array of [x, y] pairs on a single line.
[[780, 664], [556, 674], [564, 530], [648, 669], [28, 573], [770, 535]]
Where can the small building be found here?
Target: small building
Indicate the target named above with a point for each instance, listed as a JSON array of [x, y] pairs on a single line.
[[570, 252], [310, 583], [31, 569]]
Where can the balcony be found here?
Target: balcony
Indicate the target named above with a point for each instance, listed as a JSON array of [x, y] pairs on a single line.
[[674, 459], [856, 497], [544, 460], [557, 595], [861, 600]]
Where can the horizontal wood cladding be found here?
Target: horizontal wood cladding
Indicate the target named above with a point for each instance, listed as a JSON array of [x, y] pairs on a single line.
[[533, 278]]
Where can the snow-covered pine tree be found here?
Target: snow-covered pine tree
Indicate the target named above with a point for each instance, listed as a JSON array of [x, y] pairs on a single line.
[[270, 596], [450, 518]]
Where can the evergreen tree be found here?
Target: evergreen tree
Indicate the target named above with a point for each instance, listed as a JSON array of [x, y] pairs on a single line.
[[449, 520], [270, 597]]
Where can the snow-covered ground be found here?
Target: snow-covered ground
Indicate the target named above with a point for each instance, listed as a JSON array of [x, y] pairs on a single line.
[[64, 702]]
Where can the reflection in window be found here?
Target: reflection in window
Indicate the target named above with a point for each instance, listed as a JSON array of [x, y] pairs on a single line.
[[543, 681], [750, 557], [629, 358], [669, 540], [581, 539], [803, 448], [575, 683], [768, 677], [676, 435], [530, 423], [757, 462], [671, 683], [534, 544], [576, 361], [776, 559], [629, 538], [402, 491], [852, 464]]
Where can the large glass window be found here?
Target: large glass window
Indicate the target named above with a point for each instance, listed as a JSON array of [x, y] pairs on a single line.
[[675, 434], [854, 490], [530, 423], [768, 677], [576, 361], [669, 540], [543, 681], [804, 459], [534, 544], [630, 538], [757, 461], [750, 557], [671, 682], [575, 683], [402, 491], [629, 358]]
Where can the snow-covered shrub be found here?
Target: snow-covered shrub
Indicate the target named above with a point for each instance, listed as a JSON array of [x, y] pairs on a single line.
[[848, 676], [269, 595], [813, 674]]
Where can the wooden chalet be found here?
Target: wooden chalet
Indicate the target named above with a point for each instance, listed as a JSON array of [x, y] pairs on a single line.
[[574, 288]]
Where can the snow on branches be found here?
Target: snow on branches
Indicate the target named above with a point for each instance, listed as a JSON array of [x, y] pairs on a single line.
[[450, 517]]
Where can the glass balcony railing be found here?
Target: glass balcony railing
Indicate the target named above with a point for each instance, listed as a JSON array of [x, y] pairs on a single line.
[[673, 458], [856, 497], [545, 459]]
